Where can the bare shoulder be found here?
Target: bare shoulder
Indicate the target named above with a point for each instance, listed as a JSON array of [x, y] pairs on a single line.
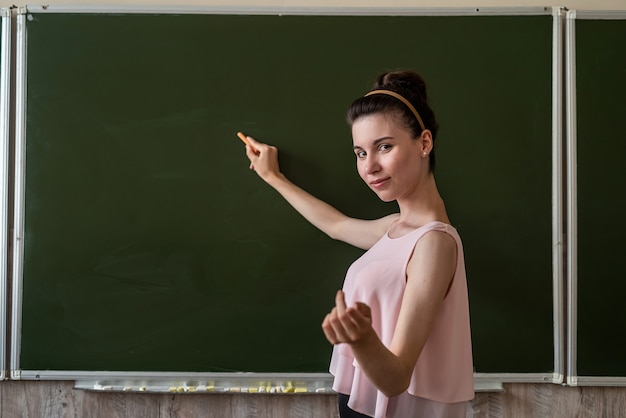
[[431, 269], [437, 240], [436, 249]]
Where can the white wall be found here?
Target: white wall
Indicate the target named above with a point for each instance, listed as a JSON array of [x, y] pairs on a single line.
[[570, 4]]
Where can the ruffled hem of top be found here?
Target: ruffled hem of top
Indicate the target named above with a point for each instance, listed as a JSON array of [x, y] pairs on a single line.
[[351, 380], [364, 396]]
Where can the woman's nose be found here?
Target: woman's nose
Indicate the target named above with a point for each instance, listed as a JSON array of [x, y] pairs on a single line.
[[371, 166]]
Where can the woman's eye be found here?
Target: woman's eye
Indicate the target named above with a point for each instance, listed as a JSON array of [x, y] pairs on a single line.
[[384, 147], [360, 154]]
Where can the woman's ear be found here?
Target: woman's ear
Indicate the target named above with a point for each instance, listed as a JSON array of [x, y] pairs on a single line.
[[426, 142]]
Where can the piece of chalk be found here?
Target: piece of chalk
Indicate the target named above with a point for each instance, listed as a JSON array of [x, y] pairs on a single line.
[[245, 141], [300, 390]]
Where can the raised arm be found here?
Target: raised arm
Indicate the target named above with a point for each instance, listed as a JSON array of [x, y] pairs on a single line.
[[360, 233]]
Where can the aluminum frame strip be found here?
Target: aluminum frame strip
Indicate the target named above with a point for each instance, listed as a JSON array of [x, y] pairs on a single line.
[[5, 107], [339, 11], [570, 77], [597, 14], [557, 196], [20, 138]]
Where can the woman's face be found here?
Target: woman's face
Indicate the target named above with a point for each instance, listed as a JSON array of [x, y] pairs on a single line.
[[389, 160]]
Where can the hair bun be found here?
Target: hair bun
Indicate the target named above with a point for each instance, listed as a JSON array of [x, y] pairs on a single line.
[[404, 82]]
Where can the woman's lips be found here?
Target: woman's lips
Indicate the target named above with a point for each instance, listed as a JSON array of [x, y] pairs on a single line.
[[379, 182]]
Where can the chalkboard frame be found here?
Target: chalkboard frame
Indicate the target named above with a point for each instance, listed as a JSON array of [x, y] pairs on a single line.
[[5, 75], [314, 381], [573, 378]]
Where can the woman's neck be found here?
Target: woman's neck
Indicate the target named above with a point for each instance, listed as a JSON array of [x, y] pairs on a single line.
[[423, 205]]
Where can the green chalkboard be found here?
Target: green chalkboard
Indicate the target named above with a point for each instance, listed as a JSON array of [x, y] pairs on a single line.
[[600, 92], [150, 246]]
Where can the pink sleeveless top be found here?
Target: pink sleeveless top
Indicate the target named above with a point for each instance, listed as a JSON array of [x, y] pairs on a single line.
[[444, 371]]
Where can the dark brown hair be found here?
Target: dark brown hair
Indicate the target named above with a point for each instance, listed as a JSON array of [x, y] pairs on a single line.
[[412, 87]]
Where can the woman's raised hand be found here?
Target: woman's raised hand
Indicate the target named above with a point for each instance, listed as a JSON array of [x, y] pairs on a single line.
[[265, 160]]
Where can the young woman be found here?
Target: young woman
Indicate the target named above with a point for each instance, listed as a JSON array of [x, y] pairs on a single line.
[[400, 326]]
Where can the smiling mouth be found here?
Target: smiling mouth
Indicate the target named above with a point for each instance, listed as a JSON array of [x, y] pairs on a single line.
[[379, 182]]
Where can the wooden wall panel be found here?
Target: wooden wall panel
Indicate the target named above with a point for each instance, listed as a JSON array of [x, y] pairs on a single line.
[[50, 399]]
